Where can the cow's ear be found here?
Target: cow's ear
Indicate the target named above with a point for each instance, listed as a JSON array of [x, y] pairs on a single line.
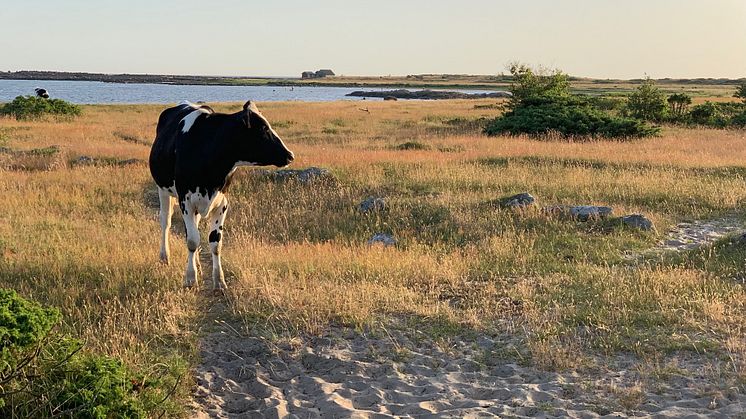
[[249, 108]]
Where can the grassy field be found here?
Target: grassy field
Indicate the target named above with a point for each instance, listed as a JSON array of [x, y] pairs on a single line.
[[82, 235]]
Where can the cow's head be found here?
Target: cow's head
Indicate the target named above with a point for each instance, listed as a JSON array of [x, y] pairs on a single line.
[[264, 147]]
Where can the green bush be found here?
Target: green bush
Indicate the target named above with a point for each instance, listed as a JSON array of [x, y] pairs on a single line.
[[570, 117], [718, 115], [529, 84], [647, 102], [678, 106], [741, 92], [45, 374], [34, 107], [739, 120], [542, 104]]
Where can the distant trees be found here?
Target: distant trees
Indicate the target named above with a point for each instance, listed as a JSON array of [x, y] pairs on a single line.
[[647, 102], [741, 92], [532, 84], [678, 104]]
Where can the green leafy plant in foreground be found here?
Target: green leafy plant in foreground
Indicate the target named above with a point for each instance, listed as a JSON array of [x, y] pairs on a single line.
[[46, 374]]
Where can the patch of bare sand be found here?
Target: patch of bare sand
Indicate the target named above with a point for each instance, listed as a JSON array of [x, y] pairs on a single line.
[[402, 374]]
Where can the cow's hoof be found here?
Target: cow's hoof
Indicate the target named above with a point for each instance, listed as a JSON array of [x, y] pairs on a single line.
[[190, 280], [218, 292], [164, 258]]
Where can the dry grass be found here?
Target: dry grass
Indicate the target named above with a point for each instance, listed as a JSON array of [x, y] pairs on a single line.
[[85, 238]]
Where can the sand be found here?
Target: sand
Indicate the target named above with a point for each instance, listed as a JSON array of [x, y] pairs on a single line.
[[353, 374]]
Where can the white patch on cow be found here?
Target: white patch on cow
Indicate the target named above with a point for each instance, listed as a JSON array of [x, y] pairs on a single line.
[[198, 203], [166, 199], [191, 118], [171, 190]]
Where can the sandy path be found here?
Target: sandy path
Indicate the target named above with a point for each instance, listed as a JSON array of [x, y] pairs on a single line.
[[352, 374], [349, 374]]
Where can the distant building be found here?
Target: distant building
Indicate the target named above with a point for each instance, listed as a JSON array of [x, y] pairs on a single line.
[[324, 73], [317, 74]]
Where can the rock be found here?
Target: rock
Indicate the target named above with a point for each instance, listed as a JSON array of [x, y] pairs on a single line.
[[428, 94], [637, 221], [129, 162], [372, 204], [556, 209], [521, 200], [391, 98], [587, 212], [84, 160], [382, 238], [308, 175]]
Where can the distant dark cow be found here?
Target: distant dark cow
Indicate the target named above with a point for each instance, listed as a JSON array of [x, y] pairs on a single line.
[[41, 93], [195, 153]]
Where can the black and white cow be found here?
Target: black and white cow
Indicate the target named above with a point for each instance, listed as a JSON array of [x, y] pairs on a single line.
[[41, 93], [195, 153]]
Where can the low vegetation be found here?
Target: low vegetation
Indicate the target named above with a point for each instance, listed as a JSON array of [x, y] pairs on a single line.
[[46, 374], [542, 104], [35, 107], [564, 293]]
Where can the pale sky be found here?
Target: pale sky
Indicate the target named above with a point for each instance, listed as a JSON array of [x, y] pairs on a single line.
[[594, 38]]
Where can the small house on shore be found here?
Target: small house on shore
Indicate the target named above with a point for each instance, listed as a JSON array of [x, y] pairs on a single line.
[[317, 74]]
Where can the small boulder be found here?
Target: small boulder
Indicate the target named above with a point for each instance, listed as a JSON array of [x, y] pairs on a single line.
[[588, 212], [308, 175], [372, 204], [84, 160], [638, 221], [391, 98], [382, 238], [521, 200]]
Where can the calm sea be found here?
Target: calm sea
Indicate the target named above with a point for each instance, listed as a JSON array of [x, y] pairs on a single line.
[[98, 92]]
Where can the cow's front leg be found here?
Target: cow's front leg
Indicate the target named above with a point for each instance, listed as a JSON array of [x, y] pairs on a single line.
[[217, 218], [191, 222]]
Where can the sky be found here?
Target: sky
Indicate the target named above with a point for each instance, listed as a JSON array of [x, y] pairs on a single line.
[[588, 38]]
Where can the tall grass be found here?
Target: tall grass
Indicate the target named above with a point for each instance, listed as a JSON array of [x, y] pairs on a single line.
[[85, 239]]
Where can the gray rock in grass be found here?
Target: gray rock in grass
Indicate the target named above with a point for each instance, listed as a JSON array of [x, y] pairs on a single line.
[[382, 238]]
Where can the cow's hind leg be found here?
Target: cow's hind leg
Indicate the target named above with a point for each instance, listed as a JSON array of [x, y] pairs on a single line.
[[217, 218], [191, 222], [167, 209]]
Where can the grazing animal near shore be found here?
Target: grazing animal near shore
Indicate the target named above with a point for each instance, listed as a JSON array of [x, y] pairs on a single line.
[[195, 153], [41, 93]]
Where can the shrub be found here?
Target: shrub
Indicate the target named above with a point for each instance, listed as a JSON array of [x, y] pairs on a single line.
[[679, 105], [718, 115], [412, 145], [34, 107], [607, 103], [45, 374], [647, 102], [739, 120], [542, 104], [741, 92], [568, 118], [530, 84]]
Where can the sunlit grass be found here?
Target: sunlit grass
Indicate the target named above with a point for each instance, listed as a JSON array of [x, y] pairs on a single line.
[[85, 238]]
